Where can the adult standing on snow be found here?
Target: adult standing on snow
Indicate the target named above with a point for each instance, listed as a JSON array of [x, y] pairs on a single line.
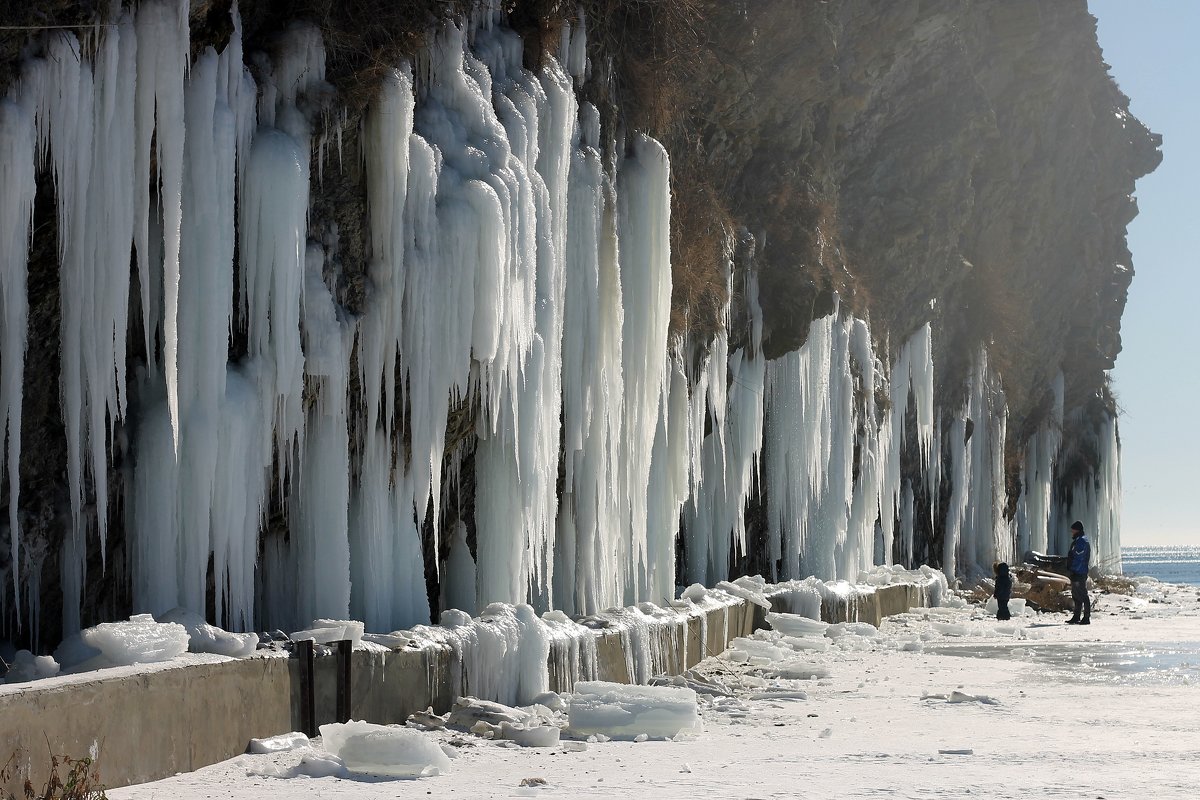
[[1078, 559]]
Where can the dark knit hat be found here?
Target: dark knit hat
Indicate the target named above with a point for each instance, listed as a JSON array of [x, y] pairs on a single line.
[[1077, 526]]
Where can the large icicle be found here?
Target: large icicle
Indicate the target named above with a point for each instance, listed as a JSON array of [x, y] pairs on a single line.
[[977, 533], [17, 189], [1037, 477], [1095, 500], [593, 394], [715, 518], [516, 462], [320, 526], [162, 61], [643, 224], [826, 462], [86, 119], [199, 477]]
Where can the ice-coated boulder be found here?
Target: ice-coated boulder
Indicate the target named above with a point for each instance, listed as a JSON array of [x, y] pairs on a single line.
[[383, 750], [619, 711]]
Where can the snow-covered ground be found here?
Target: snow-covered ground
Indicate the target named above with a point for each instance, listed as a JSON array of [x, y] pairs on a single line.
[[938, 703]]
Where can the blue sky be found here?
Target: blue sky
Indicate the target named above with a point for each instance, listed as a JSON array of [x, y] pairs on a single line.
[[1153, 47]]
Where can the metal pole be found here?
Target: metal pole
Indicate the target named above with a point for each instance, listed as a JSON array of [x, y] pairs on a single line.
[[344, 649], [308, 698]]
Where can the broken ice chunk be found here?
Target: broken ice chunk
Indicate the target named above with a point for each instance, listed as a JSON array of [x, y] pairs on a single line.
[[278, 744], [384, 750], [624, 712]]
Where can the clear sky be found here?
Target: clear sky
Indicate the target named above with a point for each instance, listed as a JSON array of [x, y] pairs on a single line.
[[1153, 47]]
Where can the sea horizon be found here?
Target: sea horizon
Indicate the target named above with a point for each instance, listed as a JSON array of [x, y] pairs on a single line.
[[1170, 563]]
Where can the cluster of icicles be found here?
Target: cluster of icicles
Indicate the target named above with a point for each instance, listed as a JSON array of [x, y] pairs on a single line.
[[519, 265]]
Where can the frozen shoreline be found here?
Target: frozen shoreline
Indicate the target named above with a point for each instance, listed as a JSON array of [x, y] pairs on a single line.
[[881, 723]]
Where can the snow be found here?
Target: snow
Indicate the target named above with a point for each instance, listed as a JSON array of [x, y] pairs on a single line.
[[956, 717]]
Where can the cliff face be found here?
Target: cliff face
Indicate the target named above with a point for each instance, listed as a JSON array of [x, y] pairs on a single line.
[[967, 164]]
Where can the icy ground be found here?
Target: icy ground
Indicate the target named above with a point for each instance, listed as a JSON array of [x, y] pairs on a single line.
[[938, 703]]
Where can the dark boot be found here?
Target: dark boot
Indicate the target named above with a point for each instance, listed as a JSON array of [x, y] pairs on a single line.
[[1073, 620], [1085, 621]]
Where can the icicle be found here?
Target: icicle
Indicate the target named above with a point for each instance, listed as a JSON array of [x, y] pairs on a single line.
[[593, 393], [715, 518], [162, 60], [320, 527], [1095, 500], [643, 219], [977, 533], [16, 229], [199, 486]]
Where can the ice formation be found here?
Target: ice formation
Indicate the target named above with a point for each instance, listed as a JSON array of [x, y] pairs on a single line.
[[519, 285], [206, 638], [627, 712], [16, 222], [1037, 478], [977, 534], [140, 640], [1096, 501], [820, 411], [383, 750], [279, 744]]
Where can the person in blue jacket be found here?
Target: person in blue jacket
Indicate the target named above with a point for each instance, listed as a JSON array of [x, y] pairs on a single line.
[[1003, 591], [1078, 559]]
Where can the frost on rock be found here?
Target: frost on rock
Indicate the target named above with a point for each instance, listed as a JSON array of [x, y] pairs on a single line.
[[382, 750], [626, 712]]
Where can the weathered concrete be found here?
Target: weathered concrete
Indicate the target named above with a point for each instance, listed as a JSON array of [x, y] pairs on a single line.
[[610, 658], [384, 687], [894, 599], [149, 725]]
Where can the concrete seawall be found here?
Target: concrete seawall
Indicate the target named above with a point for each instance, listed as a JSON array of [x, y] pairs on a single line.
[[148, 723]]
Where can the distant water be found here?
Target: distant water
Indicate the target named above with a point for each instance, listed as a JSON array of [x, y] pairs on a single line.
[[1169, 563]]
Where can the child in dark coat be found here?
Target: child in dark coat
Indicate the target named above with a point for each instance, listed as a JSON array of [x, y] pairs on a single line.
[[1003, 590]]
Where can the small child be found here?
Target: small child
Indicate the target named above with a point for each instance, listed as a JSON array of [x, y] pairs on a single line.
[[1003, 590]]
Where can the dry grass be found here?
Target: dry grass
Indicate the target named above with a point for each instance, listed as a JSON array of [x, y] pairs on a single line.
[[82, 780]]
